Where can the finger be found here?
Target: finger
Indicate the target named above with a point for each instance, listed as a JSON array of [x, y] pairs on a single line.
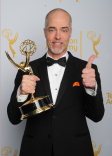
[[90, 80], [88, 76], [88, 71], [89, 84], [31, 84], [91, 59], [31, 78], [28, 85], [27, 90]]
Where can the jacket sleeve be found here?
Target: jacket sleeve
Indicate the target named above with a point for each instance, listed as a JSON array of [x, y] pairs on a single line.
[[94, 107], [13, 111]]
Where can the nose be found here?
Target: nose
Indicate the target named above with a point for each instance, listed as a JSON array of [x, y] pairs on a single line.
[[58, 35]]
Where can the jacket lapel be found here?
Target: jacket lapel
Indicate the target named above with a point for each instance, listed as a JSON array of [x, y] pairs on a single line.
[[42, 68], [70, 69]]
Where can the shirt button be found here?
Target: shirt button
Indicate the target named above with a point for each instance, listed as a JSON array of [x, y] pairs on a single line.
[[54, 117], [55, 88], [49, 135], [55, 74]]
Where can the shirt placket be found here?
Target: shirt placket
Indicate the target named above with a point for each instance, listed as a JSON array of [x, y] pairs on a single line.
[[56, 75]]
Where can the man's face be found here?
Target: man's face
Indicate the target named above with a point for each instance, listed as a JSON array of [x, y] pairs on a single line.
[[58, 32]]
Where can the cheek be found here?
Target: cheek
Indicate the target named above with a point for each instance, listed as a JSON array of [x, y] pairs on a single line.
[[67, 41], [66, 38], [50, 37]]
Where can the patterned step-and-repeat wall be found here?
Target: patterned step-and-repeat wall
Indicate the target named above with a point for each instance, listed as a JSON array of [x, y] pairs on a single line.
[[92, 33]]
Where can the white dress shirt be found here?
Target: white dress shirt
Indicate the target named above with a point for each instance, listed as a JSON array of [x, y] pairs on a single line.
[[55, 74]]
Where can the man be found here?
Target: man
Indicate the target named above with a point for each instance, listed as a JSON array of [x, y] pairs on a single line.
[[75, 91]]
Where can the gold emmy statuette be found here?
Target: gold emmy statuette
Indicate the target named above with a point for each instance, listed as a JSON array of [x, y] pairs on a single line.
[[34, 105]]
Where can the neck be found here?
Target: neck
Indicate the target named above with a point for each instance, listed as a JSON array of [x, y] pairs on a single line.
[[56, 56]]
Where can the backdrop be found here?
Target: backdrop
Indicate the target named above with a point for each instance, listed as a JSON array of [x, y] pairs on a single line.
[[92, 33]]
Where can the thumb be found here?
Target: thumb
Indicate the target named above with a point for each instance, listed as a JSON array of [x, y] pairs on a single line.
[[37, 78], [91, 59]]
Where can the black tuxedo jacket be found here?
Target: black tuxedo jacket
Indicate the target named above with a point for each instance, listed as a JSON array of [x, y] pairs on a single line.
[[64, 127]]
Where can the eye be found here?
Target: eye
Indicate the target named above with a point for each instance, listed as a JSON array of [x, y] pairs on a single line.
[[64, 30], [51, 30]]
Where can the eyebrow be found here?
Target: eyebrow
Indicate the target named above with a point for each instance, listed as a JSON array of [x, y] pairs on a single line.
[[65, 27], [61, 27], [51, 28]]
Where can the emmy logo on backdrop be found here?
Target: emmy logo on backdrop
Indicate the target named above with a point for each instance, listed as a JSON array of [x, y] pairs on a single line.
[[7, 150], [96, 153], [7, 33], [34, 105], [91, 35]]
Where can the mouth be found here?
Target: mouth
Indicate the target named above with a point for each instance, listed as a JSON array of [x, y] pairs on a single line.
[[57, 43]]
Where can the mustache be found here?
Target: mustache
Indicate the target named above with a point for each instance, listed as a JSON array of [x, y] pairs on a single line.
[[57, 41]]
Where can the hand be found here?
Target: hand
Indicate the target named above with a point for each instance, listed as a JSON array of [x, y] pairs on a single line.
[[88, 74], [28, 84]]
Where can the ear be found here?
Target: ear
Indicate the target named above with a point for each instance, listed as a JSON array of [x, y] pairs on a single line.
[[44, 32]]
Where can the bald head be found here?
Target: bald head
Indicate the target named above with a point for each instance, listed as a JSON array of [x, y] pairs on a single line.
[[57, 11]]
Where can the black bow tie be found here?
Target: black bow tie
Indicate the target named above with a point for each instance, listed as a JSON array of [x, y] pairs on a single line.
[[61, 61]]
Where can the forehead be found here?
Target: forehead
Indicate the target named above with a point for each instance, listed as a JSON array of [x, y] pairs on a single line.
[[58, 19]]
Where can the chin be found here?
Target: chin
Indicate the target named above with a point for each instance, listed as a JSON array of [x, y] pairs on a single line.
[[57, 52]]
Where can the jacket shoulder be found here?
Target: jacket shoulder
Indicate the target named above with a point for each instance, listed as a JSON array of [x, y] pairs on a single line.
[[38, 61], [81, 62]]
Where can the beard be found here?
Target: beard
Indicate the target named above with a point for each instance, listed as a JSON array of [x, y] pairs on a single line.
[[55, 52]]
